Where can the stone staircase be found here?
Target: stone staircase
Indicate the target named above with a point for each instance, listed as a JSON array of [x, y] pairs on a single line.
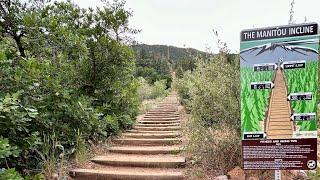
[[149, 151]]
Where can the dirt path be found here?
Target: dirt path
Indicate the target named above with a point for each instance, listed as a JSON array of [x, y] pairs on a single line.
[[148, 151], [279, 125]]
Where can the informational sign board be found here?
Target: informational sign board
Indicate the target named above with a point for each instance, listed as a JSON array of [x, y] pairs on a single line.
[[279, 84]]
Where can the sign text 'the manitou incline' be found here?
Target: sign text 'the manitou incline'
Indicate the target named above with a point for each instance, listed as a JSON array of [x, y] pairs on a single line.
[[279, 73]]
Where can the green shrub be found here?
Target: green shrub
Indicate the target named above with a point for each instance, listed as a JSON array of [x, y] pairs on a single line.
[[153, 69], [183, 87], [6, 151], [211, 92], [147, 91], [66, 80], [144, 90], [159, 89], [10, 174], [81, 149]]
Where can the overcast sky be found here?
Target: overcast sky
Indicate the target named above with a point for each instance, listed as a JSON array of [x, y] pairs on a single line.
[[190, 22]]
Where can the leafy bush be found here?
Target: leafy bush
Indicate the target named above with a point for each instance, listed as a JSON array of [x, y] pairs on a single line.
[[151, 95], [159, 89], [147, 91], [6, 150], [66, 78], [10, 174], [211, 92], [183, 87]]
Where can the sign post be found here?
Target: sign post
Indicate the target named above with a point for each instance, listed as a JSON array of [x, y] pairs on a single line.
[[279, 73], [277, 174]]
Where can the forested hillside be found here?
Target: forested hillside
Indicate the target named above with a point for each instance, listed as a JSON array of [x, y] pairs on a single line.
[[153, 60], [171, 53]]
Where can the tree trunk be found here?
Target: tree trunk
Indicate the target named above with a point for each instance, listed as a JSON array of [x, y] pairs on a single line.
[[19, 45]]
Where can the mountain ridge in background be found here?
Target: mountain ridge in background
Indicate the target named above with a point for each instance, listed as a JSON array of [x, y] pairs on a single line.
[[172, 53]]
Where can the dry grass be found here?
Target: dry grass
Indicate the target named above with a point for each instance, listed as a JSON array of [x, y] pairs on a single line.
[[210, 152], [81, 160]]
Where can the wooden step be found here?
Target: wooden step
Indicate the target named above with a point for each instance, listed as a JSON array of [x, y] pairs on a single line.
[[160, 118], [161, 161], [279, 120], [279, 132], [280, 123], [157, 110], [158, 128], [166, 106], [159, 122], [280, 99], [274, 107], [286, 136], [145, 131], [146, 149], [279, 105], [147, 141], [156, 125], [162, 113], [276, 110], [165, 110], [151, 135], [280, 116], [280, 113], [281, 127], [286, 109], [124, 173], [280, 94]]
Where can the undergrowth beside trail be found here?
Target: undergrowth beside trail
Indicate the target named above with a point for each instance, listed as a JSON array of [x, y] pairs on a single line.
[[211, 94], [151, 94]]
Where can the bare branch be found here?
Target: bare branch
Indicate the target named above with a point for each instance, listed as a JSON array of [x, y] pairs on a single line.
[[291, 12]]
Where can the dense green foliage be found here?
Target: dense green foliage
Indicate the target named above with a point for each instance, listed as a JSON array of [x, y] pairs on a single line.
[[307, 82], [66, 77], [254, 103], [185, 64], [153, 68], [10, 174], [147, 91], [211, 93], [151, 94]]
